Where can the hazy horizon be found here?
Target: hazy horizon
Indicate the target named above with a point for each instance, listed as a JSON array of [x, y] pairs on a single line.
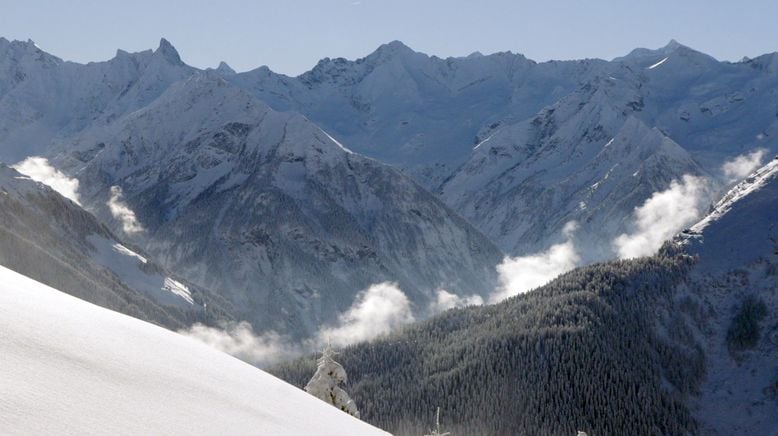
[[290, 37]]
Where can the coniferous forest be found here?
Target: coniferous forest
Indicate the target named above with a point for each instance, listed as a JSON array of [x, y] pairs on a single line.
[[581, 353]]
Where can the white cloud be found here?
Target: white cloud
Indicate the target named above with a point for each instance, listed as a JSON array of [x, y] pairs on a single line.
[[240, 341], [740, 167], [446, 300], [376, 311], [663, 215], [39, 169], [524, 273], [122, 212]]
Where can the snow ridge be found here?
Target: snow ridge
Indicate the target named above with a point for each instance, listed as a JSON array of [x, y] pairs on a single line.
[[751, 184]]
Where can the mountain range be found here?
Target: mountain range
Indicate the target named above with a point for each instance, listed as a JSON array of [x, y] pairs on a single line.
[[263, 207], [497, 136], [288, 196]]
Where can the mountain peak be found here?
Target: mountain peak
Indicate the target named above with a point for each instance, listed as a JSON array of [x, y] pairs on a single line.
[[392, 49], [672, 46], [652, 55], [21, 45], [167, 51], [224, 68], [395, 45], [767, 62]]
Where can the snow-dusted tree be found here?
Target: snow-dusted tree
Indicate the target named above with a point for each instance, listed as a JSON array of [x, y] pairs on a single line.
[[436, 431], [324, 383]]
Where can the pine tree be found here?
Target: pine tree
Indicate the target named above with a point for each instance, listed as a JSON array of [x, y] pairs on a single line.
[[324, 383]]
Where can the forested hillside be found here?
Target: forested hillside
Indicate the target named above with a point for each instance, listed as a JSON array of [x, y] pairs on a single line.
[[577, 354]]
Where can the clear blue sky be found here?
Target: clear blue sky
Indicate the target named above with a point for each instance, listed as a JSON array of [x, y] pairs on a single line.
[[291, 35]]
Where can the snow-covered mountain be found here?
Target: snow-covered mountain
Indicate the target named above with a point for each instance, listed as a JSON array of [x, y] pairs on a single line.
[[268, 210], [43, 97], [421, 112], [296, 223], [70, 367], [50, 238], [715, 110], [652, 117], [430, 117], [418, 112], [588, 158]]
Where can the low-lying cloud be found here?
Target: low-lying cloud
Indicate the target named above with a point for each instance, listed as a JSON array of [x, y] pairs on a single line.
[[445, 300], [524, 273], [376, 311], [740, 167], [39, 169], [239, 340], [663, 215], [122, 212]]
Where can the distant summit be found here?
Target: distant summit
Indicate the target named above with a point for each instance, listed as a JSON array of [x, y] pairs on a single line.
[[641, 53], [169, 52]]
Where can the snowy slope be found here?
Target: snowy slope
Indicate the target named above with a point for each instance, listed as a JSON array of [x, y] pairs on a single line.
[[749, 210], [736, 247], [73, 368]]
